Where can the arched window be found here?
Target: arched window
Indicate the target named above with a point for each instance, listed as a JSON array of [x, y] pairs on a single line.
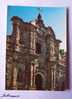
[[38, 48]]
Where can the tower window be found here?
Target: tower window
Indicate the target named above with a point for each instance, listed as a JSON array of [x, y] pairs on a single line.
[[38, 48]]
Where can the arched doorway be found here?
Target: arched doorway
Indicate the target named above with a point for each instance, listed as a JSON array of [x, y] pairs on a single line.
[[39, 82]]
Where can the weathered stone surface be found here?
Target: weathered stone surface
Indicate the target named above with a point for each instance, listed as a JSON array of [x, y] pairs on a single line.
[[32, 50]]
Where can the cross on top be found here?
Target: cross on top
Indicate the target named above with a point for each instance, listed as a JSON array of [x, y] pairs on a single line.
[[39, 10]]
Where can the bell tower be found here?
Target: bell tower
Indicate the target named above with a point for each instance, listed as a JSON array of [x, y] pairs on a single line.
[[39, 20]]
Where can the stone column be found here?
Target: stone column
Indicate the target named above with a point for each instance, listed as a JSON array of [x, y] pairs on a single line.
[[15, 78], [32, 76]]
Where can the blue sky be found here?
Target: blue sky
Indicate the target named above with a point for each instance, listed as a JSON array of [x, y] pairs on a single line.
[[52, 16]]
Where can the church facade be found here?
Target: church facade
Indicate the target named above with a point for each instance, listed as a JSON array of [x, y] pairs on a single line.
[[32, 57]]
